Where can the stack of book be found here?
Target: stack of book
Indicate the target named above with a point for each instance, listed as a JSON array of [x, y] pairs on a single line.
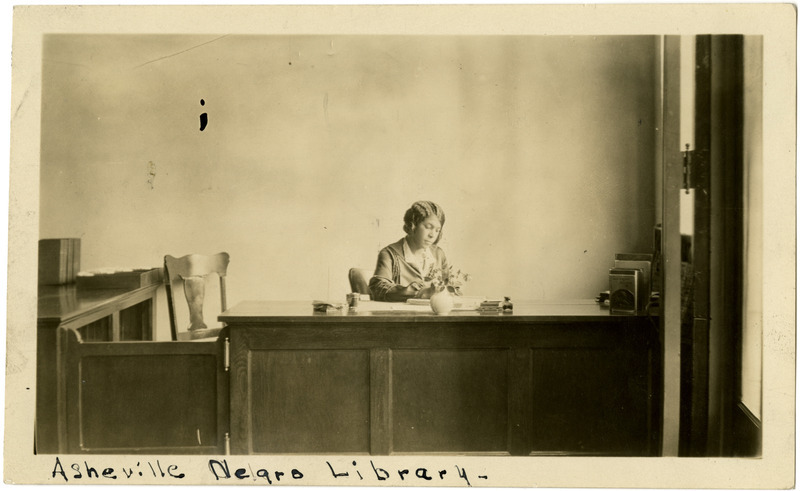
[[59, 261], [491, 306]]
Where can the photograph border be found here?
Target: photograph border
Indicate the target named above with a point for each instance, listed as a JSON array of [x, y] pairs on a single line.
[[776, 22]]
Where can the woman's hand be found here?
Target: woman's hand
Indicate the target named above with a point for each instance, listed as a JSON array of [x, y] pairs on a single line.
[[426, 292], [412, 290], [416, 289]]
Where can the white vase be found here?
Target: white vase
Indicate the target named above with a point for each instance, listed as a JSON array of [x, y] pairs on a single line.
[[442, 302]]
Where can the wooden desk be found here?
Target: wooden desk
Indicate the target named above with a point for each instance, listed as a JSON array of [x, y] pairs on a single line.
[[98, 315], [554, 379]]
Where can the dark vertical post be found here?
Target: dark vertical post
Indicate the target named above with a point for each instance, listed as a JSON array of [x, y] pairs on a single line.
[[727, 236], [717, 177], [694, 417]]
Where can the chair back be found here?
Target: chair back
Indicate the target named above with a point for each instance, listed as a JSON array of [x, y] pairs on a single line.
[[192, 272], [359, 280]]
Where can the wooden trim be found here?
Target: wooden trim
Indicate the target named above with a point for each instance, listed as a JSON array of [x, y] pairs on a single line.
[[65, 338], [447, 454], [695, 336], [173, 318], [47, 398], [670, 335], [520, 395], [113, 304], [223, 391], [240, 410], [655, 386], [577, 454], [450, 334], [204, 450], [301, 312], [115, 326], [150, 318], [380, 366]]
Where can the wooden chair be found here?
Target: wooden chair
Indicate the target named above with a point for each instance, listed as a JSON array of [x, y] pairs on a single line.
[[193, 271], [359, 280]]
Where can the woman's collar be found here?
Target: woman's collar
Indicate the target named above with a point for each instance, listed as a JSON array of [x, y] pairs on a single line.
[[426, 251]]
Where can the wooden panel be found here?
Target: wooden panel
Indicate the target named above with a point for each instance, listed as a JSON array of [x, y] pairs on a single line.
[[91, 313], [142, 397], [694, 389], [450, 400], [590, 402], [97, 331], [46, 421], [444, 386], [136, 322], [167, 400], [309, 401]]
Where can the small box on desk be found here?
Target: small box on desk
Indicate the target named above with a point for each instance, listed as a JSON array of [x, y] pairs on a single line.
[[59, 260], [624, 290], [643, 262], [131, 279]]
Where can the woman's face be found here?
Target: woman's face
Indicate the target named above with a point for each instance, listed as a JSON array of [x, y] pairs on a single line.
[[426, 232]]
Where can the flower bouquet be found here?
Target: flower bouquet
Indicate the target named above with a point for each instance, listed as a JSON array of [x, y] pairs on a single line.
[[447, 279]]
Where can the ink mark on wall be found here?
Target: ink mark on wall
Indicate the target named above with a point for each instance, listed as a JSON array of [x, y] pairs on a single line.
[[203, 117], [151, 173]]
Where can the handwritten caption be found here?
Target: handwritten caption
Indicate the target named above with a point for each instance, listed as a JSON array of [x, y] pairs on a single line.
[[222, 470]]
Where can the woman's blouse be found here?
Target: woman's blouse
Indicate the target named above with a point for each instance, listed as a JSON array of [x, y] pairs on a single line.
[[423, 263], [396, 270]]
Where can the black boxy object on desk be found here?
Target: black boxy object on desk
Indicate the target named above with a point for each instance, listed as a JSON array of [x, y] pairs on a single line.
[[624, 288], [59, 260], [644, 263]]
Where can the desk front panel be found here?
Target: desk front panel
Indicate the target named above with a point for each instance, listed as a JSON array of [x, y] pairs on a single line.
[[308, 401], [142, 397], [444, 386], [98, 315]]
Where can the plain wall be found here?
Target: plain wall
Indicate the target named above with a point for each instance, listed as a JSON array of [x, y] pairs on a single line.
[[541, 150]]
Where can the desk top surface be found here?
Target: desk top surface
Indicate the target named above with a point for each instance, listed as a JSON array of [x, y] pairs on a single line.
[[255, 311], [59, 303]]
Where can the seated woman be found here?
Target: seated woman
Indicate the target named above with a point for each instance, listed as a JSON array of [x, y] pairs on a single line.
[[404, 268]]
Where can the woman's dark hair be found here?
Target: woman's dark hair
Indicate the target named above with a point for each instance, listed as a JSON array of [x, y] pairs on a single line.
[[418, 212]]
